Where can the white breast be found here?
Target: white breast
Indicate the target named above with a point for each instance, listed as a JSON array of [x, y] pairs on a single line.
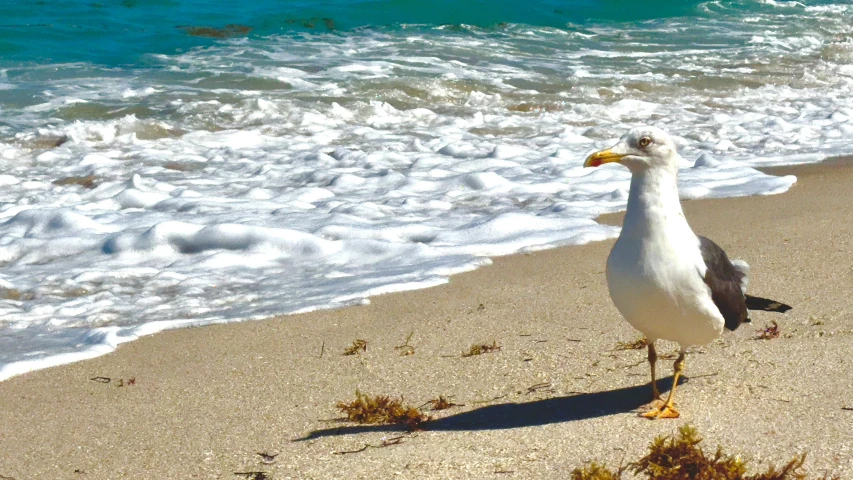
[[655, 271]]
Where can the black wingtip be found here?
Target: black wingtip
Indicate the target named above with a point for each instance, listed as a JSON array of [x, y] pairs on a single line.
[[765, 304]]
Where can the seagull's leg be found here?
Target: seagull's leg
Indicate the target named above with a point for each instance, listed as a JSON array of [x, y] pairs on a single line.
[[657, 402], [668, 409], [653, 358]]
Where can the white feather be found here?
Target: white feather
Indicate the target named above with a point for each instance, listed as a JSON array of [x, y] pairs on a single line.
[[742, 267]]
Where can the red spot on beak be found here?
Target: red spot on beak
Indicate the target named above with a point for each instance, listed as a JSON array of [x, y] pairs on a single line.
[[595, 163]]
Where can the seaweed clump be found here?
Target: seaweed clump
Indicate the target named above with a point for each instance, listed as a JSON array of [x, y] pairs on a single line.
[[357, 346], [381, 410], [228, 31], [595, 471], [479, 349], [770, 332], [681, 458], [441, 403], [637, 344], [88, 181], [311, 23], [10, 294], [17, 295]]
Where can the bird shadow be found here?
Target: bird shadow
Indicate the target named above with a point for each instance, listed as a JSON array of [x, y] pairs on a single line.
[[766, 304], [526, 414]]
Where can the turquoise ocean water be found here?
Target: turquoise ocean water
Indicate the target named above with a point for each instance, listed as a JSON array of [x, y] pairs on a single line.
[[115, 32]]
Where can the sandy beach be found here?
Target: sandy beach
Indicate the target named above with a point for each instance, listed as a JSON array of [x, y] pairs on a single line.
[[205, 401]]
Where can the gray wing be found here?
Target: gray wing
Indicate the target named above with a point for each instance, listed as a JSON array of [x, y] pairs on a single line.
[[724, 280]]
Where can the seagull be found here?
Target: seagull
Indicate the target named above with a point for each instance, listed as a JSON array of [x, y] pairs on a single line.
[[668, 282]]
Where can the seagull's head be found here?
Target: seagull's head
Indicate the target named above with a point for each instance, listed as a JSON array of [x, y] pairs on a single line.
[[640, 149]]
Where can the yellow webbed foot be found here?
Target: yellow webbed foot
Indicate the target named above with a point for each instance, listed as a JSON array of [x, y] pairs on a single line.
[[663, 411]]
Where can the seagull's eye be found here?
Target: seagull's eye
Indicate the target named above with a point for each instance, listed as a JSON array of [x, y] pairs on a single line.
[[645, 141]]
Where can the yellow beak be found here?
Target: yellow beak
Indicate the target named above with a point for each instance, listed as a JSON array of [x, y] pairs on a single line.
[[602, 157]]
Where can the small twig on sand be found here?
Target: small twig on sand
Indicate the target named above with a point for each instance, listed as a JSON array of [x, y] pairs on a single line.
[[119, 383], [847, 408], [387, 442], [345, 452], [704, 375], [479, 402], [632, 365], [783, 400], [406, 349], [267, 458], [539, 386], [322, 349]]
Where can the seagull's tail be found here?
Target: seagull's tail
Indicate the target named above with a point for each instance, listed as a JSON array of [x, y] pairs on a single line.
[[742, 270], [756, 303]]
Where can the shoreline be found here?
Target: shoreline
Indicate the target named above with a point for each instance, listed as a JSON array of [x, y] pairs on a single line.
[[205, 400]]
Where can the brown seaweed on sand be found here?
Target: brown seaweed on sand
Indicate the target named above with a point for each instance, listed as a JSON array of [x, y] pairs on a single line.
[[441, 403], [381, 410], [637, 344], [681, 458], [357, 346], [481, 348], [770, 332]]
